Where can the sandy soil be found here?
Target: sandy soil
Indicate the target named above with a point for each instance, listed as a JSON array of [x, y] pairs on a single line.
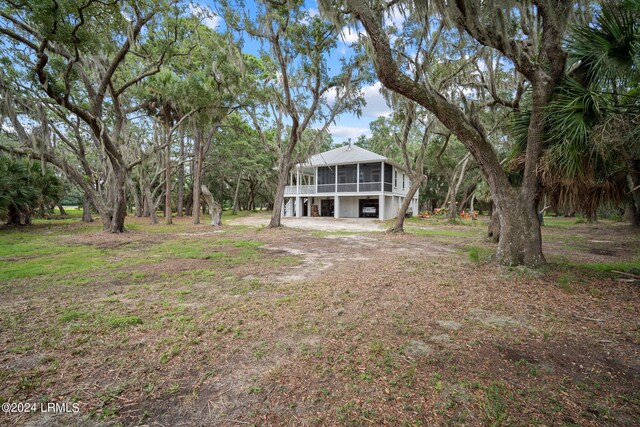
[[320, 224], [195, 326]]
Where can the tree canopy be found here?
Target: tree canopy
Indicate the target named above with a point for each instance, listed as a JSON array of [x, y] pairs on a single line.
[[142, 105]]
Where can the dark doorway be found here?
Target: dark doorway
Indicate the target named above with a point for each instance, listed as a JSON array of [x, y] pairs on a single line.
[[326, 207], [369, 208]]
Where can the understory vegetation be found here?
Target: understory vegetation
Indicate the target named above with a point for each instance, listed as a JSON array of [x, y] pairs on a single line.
[[242, 325]]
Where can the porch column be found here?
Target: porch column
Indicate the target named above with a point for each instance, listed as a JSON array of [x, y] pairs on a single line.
[[357, 177], [336, 206], [336, 179], [382, 177], [298, 182], [381, 207], [309, 204], [316, 180], [299, 207]]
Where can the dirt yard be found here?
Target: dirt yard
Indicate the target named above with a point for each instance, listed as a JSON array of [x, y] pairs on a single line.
[[320, 223], [191, 325]]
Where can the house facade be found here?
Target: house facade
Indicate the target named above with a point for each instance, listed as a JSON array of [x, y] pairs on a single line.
[[347, 182]]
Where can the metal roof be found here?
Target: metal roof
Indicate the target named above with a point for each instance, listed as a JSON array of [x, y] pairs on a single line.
[[344, 155]]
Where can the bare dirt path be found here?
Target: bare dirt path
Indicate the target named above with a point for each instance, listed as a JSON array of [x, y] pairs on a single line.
[[320, 224], [192, 325]]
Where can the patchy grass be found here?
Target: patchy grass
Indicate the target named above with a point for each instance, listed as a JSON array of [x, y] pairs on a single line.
[[115, 321], [336, 233], [606, 267], [265, 327], [45, 256], [442, 232], [479, 254]]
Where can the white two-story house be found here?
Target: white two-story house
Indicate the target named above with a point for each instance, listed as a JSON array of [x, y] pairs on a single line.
[[347, 182]]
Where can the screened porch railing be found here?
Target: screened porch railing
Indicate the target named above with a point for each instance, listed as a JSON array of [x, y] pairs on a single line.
[[350, 187]]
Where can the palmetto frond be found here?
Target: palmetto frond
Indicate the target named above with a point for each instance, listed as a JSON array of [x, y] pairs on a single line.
[[608, 50], [570, 117], [592, 123]]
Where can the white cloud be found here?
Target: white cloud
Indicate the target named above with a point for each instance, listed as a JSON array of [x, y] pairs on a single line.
[[330, 95], [350, 35], [343, 132], [394, 17], [313, 12], [376, 104], [205, 15], [482, 65]]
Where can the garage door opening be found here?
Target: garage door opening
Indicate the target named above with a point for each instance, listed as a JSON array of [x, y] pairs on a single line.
[[368, 208]]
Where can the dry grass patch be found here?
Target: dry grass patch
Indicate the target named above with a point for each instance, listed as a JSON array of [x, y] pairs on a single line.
[[189, 324]]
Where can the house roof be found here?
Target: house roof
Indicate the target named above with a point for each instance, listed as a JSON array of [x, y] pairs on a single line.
[[344, 155]]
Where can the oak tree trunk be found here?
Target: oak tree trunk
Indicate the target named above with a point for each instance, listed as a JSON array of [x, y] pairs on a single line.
[[276, 213], [399, 225], [519, 236], [197, 177], [137, 201], [180, 201], [215, 210], [150, 205], [471, 208], [116, 223], [86, 209], [235, 196], [167, 199]]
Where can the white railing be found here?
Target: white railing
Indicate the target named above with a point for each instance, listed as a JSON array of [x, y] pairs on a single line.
[[304, 189], [331, 188], [351, 187], [369, 186]]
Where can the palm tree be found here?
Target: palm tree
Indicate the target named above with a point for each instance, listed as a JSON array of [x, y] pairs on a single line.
[[592, 148], [25, 185], [17, 197]]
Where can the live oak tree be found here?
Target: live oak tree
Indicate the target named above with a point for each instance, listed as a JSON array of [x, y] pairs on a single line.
[[527, 35], [404, 137], [214, 80], [239, 169], [294, 84], [413, 160], [411, 116], [83, 59]]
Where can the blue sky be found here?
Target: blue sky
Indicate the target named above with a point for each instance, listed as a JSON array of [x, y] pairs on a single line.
[[347, 125]]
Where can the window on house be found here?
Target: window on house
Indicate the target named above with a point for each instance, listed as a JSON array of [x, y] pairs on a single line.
[[403, 181], [396, 181]]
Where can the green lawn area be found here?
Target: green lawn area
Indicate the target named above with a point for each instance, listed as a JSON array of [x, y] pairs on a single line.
[[325, 328]]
